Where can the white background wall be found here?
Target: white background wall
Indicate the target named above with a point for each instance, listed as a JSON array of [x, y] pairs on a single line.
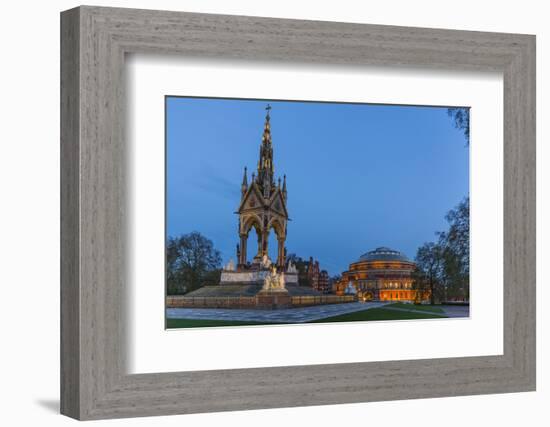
[[29, 214]]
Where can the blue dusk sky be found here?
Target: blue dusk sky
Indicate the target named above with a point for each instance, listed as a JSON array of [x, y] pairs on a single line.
[[359, 176]]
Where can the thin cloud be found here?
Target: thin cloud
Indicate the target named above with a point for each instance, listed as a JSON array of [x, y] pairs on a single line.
[[218, 185]]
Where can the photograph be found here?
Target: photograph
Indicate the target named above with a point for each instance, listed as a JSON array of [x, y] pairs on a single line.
[[294, 212]]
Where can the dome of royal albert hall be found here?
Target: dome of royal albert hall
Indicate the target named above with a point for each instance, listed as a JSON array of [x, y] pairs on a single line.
[[383, 254]]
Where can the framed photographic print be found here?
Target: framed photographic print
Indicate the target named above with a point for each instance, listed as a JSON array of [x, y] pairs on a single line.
[[343, 191], [278, 213]]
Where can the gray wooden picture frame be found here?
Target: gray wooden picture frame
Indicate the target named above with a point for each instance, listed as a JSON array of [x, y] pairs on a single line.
[[94, 41]]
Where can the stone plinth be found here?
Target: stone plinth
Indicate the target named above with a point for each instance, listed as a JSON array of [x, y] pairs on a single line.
[[252, 277], [271, 300], [261, 289]]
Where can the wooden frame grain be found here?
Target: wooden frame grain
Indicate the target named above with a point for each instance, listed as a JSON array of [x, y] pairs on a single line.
[[94, 41]]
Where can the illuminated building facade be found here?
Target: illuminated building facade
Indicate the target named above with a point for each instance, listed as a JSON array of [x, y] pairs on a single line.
[[382, 275]]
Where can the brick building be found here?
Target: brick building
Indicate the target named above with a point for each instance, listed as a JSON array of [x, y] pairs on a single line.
[[318, 279]]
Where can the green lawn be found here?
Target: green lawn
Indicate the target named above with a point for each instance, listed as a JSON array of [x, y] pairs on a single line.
[[379, 313], [203, 323], [418, 307]]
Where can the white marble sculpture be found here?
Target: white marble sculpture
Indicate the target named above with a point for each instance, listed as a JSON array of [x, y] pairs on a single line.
[[350, 289], [291, 269], [266, 262], [274, 281], [230, 266]]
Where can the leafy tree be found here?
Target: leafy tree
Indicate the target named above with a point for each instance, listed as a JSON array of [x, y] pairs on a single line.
[[461, 118], [444, 266], [419, 284], [458, 236], [429, 263], [456, 250], [191, 261]]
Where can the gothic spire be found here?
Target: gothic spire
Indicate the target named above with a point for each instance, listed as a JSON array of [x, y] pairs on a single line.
[[284, 187], [244, 185], [265, 164], [266, 137], [267, 126]]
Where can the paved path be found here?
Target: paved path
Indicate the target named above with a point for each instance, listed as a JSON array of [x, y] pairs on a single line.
[[297, 315], [456, 310], [290, 315]]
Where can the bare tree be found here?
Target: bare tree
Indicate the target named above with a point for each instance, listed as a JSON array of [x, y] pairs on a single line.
[[191, 261]]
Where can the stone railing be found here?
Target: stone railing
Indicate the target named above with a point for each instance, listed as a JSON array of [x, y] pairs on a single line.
[[306, 300], [181, 301], [247, 302]]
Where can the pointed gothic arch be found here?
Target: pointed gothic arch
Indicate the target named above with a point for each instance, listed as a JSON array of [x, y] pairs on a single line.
[[248, 221], [278, 227]]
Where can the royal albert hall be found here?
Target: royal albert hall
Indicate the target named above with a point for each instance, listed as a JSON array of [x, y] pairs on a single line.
[[382, 274]]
